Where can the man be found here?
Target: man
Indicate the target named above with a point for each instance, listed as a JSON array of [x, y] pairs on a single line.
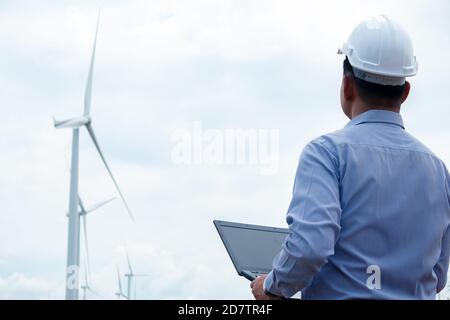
[[370, 213]]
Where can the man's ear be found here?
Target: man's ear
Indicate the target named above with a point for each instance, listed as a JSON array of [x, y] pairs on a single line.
[[349, 88], [406, 91]]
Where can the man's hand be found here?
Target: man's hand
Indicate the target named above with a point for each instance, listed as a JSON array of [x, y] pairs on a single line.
[[257, 286]]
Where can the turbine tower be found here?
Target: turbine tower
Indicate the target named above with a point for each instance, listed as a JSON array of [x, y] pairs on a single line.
[[73, 243]]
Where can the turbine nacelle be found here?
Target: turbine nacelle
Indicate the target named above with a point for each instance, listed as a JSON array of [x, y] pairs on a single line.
[[72, 123]]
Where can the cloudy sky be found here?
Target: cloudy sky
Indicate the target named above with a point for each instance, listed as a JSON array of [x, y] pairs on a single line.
[[161, 66]]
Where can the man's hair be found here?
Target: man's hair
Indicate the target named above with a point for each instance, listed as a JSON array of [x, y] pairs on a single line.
[[374, 93]]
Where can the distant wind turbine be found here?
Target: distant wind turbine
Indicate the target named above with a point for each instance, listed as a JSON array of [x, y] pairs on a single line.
[[130, 279], [85, 287], [83, 214], [73, 247], [119, 294]]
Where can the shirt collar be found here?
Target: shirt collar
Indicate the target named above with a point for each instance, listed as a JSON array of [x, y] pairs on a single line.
[[377, 116]]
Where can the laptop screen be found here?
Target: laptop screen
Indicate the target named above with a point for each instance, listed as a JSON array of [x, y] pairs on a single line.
[[253, 249]]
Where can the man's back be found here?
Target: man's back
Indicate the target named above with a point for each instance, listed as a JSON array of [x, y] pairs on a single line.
[[369, 216], [394, 203]]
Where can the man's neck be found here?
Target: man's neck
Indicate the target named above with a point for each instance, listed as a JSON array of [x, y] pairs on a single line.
[[360, 109]]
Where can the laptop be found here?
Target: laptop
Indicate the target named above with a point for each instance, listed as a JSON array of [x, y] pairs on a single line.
[[251, 248]]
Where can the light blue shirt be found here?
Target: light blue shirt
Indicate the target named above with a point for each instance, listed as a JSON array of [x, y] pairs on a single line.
[[369, 216]]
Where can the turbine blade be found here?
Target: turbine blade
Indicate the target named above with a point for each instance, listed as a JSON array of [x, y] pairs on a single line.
[[141, 275], [86, 281], [88, 91], [129, 265], [119, 281], [72, 123], [97, 146], [80, 203], [100, 204], [88, 262], [66, 160]]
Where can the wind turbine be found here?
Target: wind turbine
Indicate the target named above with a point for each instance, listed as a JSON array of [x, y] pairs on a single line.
[[86, 287], [130, 277], [73, 245], [83, 214], [119, 293]]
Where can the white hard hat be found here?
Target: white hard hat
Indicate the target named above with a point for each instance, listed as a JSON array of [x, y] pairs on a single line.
[[381, 51]]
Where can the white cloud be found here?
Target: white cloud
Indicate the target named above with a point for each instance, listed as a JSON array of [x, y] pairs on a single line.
[[21, 286]]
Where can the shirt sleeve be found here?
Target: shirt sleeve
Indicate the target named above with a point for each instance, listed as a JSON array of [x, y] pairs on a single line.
[[441, 268], [314, 222]]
